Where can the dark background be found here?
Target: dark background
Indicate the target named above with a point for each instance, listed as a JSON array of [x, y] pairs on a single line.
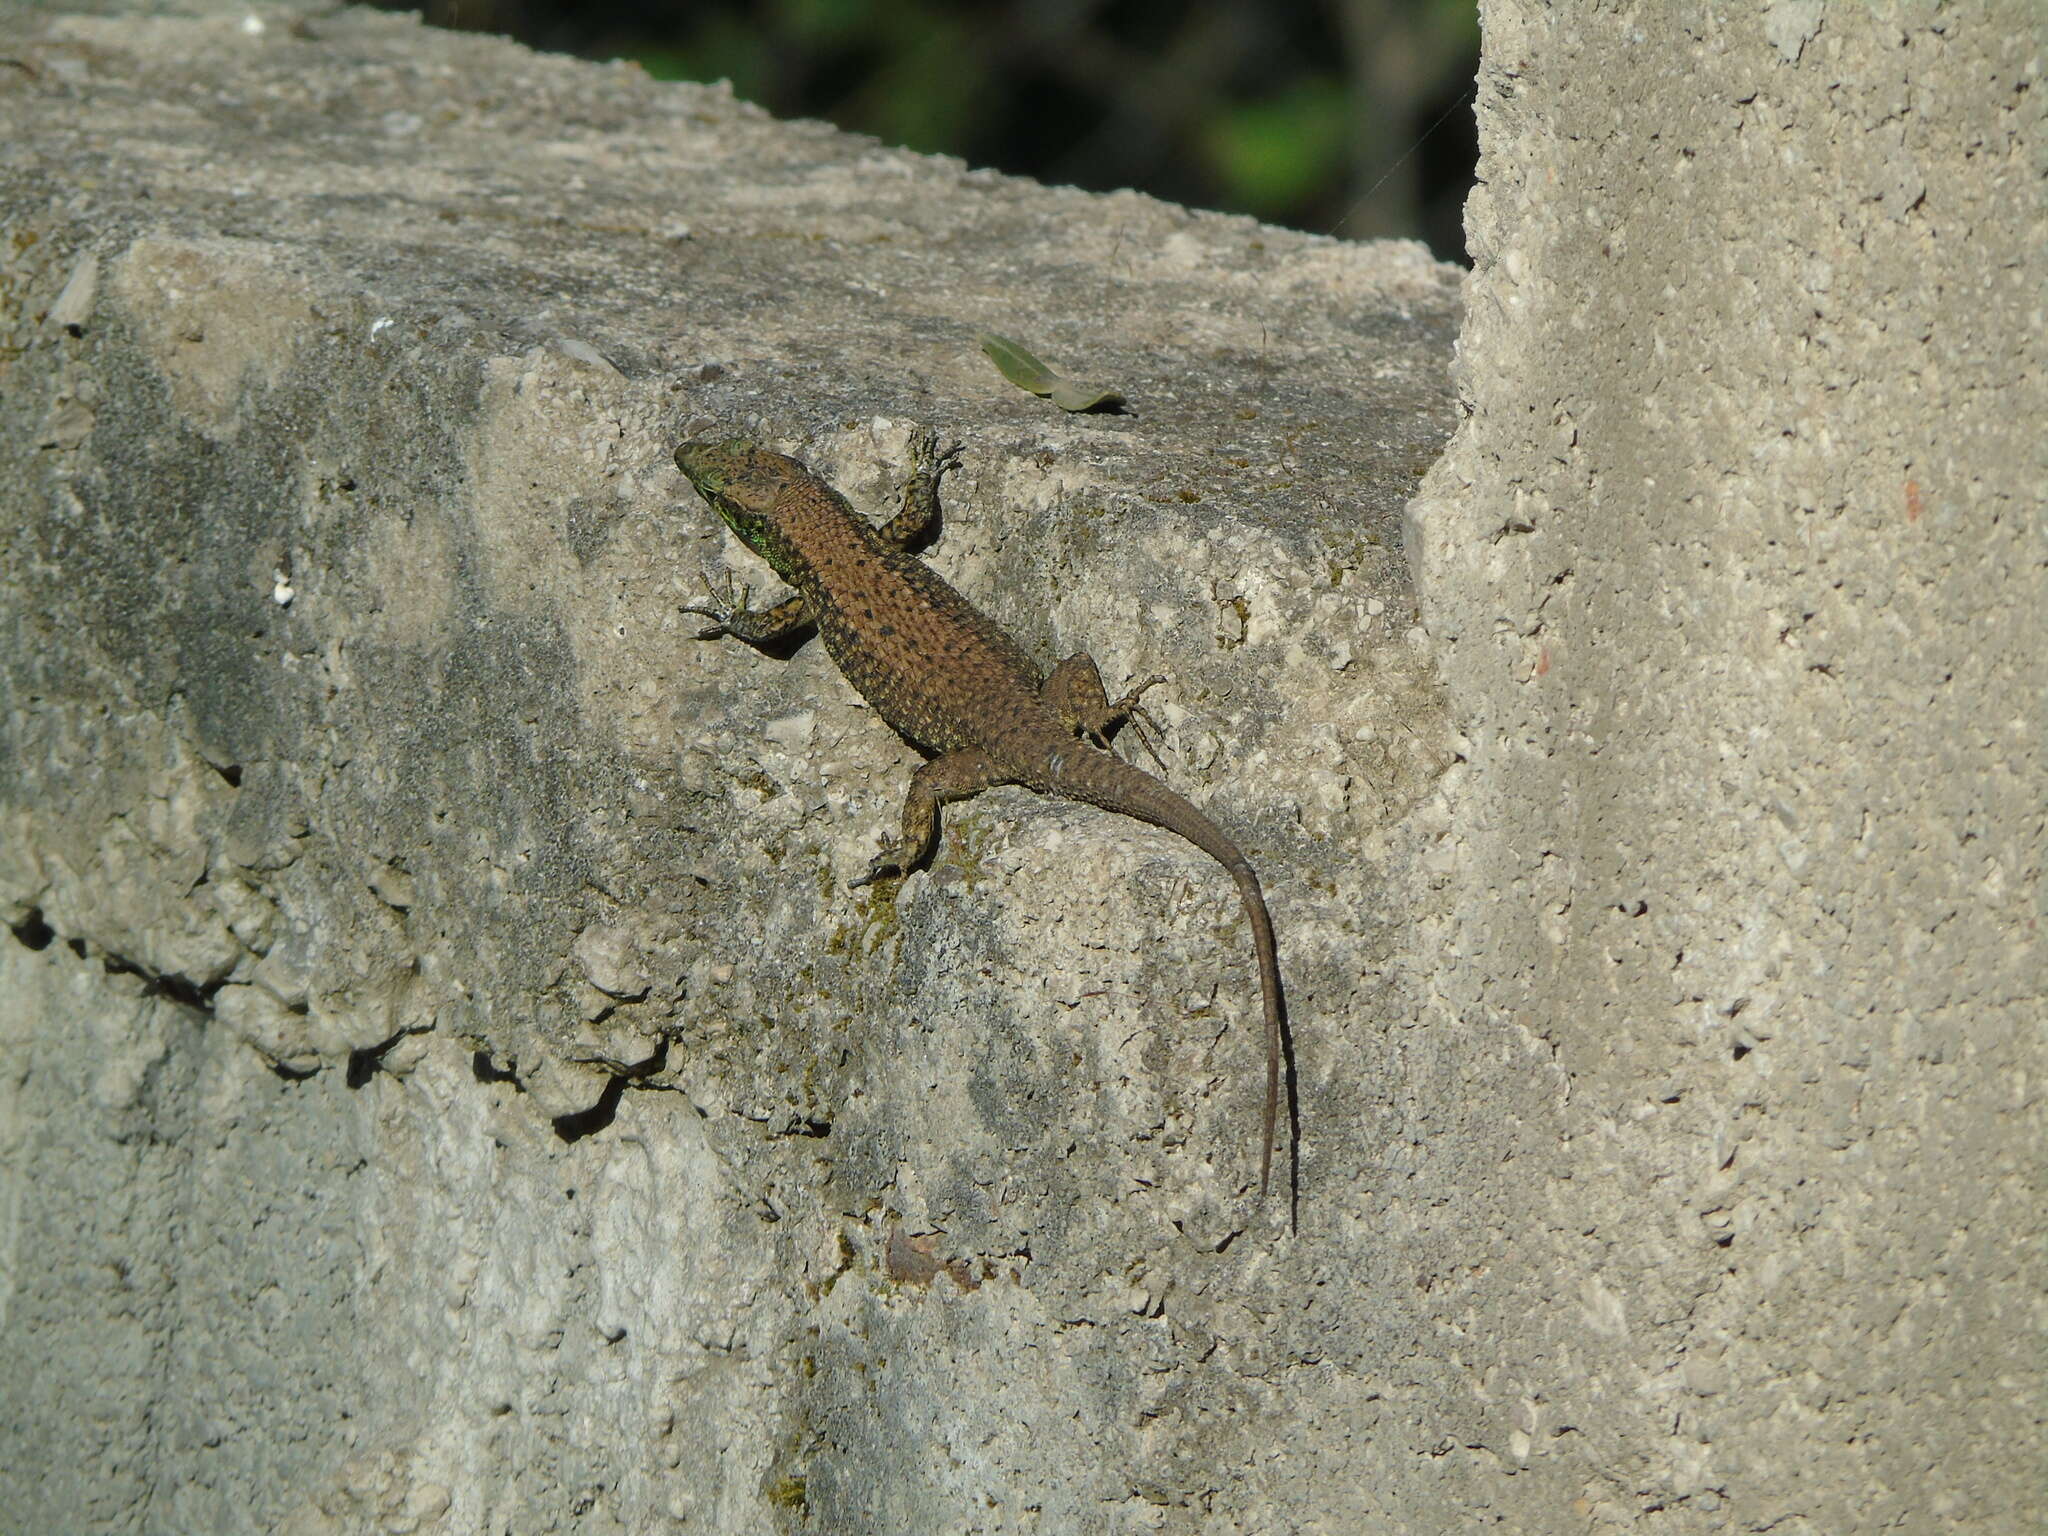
[[1345, 117]]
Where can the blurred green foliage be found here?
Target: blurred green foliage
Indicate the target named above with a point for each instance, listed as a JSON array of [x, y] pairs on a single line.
[[1273, 154], [1349, 116]]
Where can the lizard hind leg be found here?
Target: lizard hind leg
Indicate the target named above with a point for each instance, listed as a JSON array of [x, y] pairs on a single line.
[[1074, 693], [954, 776]]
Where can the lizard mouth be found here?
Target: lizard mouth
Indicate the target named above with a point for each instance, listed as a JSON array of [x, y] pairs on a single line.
[[699, 462]]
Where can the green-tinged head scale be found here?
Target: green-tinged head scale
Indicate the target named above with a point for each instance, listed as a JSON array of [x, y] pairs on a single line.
[[741, 481]]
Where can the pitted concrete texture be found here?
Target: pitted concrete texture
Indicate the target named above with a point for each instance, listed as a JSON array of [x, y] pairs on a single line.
[[536, 1131], [1737, 565], [450, 1086]]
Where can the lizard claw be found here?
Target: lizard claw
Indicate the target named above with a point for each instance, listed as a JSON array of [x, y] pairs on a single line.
[[1140, 719], [927, 458], [1141, 725], [883, 866], [721, 609]]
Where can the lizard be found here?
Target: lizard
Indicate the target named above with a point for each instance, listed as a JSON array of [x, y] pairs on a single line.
[[946, 676]]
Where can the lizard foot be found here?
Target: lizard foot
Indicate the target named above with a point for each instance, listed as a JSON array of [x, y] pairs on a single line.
[[884, 865], [927, 458], [1134, 714], [723, 606]]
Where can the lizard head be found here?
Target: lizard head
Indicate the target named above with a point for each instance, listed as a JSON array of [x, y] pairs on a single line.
[[741, 480]]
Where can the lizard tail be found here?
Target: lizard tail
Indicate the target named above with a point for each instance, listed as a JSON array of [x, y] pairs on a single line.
[[1085, 773]]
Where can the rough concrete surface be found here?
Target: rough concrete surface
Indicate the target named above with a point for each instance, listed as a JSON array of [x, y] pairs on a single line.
[[1738, 571], [455, 1088], [449, 1085]]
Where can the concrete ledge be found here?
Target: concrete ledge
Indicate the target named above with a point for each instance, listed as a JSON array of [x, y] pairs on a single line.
[[472, 913], [449, 1085]]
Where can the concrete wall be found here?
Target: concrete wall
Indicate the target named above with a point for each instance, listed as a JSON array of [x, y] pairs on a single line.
[[1737, 574], [450, 1086]]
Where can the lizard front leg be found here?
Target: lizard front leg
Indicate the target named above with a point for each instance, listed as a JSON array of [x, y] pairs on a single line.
[[952, 777], [929, 464], [1074, 693], [756, 626]]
